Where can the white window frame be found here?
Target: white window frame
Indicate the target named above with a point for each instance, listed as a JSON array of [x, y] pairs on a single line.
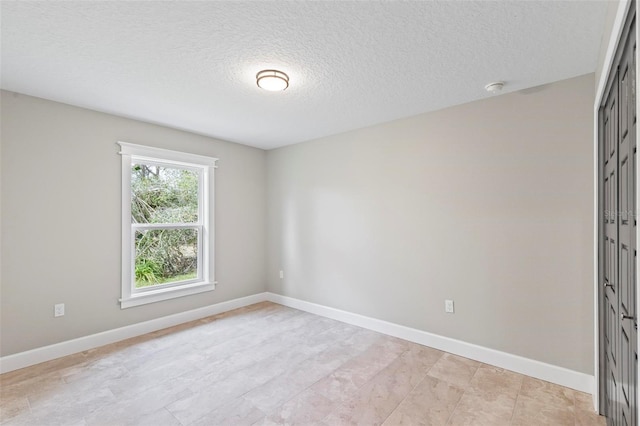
[[204, 166]]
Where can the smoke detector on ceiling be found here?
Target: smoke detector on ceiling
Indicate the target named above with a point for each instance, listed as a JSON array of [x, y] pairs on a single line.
[[494, 87]]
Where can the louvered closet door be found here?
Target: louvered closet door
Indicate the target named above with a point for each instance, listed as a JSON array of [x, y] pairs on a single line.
[[610, 261], [618, 236], [627, 332]]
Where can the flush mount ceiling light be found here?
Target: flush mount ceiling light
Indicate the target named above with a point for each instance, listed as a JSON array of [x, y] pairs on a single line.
[[495, 87], [272, 80]]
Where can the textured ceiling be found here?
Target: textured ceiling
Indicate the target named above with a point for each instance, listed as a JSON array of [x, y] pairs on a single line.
[[192, 65]]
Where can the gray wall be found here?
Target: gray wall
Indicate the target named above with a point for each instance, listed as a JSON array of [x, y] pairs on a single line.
[[488, 203], [60, 226]]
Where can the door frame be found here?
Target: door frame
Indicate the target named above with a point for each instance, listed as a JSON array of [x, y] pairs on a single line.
[[624, 8]]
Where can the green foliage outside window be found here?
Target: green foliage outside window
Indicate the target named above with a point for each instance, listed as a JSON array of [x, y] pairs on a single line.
[[164, 195]]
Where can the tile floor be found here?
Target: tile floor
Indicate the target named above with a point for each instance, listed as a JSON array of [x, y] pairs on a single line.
[[267, 364]]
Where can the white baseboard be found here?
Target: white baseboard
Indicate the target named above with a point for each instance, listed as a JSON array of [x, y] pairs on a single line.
[[47, 353], [551, 373], [540, 370]]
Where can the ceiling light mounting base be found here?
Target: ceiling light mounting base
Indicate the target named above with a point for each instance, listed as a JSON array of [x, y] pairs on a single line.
[[494, 87]]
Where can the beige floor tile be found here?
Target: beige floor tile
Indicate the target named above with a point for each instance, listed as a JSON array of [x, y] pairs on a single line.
[[295, 380], [269, 364], [377, 399], [548, 393], [64, 409], [46, 385], [422, 357], [117, 354], [72, 402], [589, 418], [585, 411], [270, 359], [13, 407], [583, 401], [195, 405], [533, 412], [484, 409], [454, 369], [237, 412], [430, 403], [352, 375], [31, 420], [160, 417], [134, 408], [41, 370], [488, 379], [374, 403], [308, 407], [95, 374], [134, 384]]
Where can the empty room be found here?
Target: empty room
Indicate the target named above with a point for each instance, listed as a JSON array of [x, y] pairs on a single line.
[[318, 213]]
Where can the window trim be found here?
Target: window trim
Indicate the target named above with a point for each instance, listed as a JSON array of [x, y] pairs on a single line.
[[131, 153]]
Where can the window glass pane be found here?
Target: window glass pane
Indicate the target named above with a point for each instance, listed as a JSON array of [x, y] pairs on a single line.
[[163, 194], [165, 256]]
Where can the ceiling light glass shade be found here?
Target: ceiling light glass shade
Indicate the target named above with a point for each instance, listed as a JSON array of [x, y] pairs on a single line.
[[272, 80]]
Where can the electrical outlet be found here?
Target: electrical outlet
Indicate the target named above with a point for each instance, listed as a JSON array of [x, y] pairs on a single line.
[[448, 306], [58, 310], [281, 274]]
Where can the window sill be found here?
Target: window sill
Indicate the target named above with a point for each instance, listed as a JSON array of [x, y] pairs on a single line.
[[165, 294]]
